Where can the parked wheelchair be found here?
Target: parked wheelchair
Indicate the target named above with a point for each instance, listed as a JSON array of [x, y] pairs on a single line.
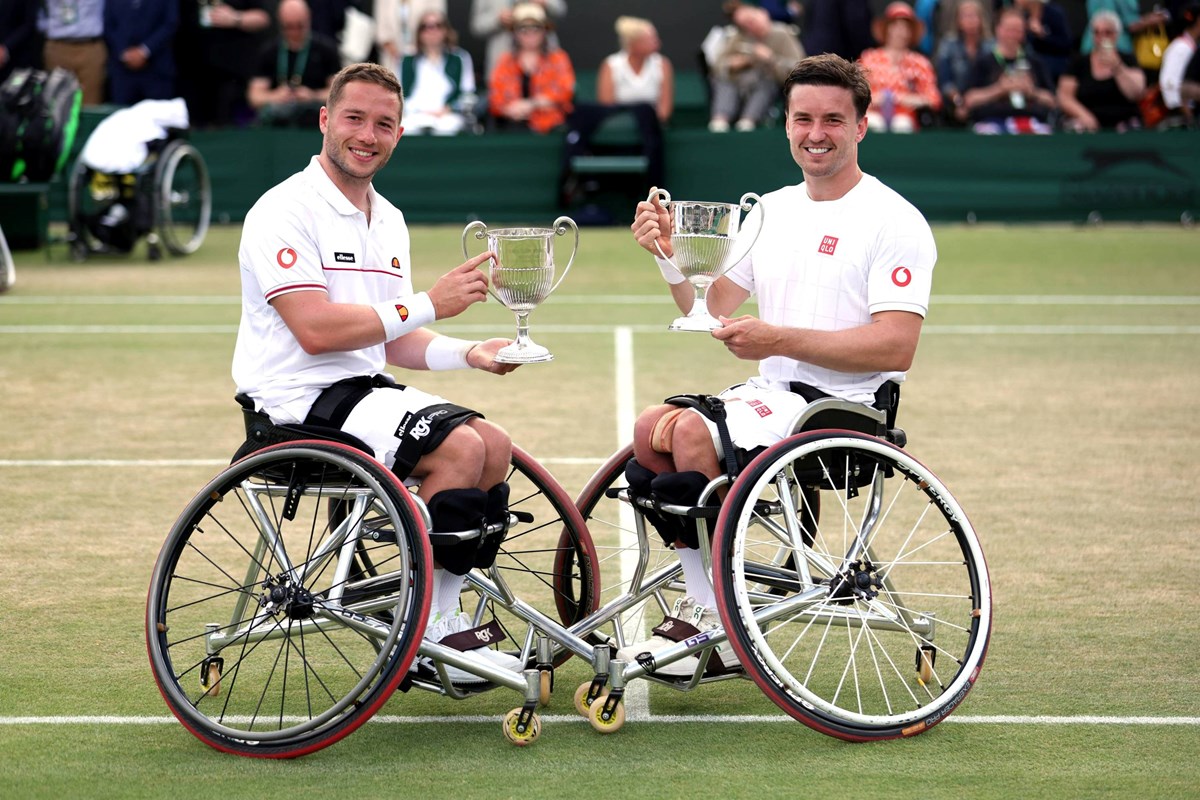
[[288, 601], [167, 200]]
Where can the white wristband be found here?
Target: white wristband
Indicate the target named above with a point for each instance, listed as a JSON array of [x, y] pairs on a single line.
[[669, 273], [446, 352], [404, 315]]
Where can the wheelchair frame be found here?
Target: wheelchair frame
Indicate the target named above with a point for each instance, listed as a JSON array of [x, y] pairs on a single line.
[[820, 613]]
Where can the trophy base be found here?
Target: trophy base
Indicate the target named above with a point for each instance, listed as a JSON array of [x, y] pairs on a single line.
[[701, 323], [524, 354]]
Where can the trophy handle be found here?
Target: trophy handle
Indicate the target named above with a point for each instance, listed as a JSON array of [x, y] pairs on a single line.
[[478, 228], [560, 227], [664, 198], [745, 206]]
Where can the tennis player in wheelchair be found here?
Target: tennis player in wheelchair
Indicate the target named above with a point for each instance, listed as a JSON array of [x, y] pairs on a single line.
[[842, 270], [328, 303]]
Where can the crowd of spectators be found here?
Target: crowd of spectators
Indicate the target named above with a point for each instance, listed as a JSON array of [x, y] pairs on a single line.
[[992, 66]]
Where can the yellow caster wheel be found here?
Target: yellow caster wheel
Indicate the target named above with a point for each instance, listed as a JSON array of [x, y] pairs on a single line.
[[610, 725], [545, 687], [516, 737], [580, 700]]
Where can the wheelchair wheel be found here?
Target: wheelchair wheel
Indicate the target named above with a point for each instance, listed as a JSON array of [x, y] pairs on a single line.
[[873, 625], [548, 561], [183, 198], [257, 644], [85, 202], [611, 522], [8, 271]]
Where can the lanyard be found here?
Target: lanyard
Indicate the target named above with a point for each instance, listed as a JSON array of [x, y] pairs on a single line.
[[296, 78]]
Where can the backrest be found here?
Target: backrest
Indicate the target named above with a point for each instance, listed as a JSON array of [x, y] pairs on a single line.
[[262, 432]]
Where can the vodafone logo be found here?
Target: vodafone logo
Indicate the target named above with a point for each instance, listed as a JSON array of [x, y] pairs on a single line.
[[901, 276], [286, 258]]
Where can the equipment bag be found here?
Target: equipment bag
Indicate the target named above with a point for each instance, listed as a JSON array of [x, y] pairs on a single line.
[[39, 114]]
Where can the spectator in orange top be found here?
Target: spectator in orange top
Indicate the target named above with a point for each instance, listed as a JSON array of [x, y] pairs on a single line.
[[903, 83], [533, 85]]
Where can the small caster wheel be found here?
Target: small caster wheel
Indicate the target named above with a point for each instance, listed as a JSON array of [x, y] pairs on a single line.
[[581, 703], [531, 733], [596, 718], [926, 655], [153, 252], [545, 687]]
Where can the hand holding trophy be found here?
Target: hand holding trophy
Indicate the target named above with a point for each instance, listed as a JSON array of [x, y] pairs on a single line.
[[522, 277], [703, 236]]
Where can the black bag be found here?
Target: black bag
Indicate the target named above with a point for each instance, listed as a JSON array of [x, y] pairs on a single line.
[[39, 114]]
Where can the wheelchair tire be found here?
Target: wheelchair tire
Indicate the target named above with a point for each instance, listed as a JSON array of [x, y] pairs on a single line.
[[8, 270], [860, 644], [549, 563], [183, 198], [255, 643], [81, 206]]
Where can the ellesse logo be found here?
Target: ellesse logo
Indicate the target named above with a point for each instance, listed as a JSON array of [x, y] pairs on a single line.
[[344, 258]]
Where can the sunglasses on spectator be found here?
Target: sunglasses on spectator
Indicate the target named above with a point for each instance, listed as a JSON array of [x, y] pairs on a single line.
[[527, 28], [430, 26], [1104, 32]]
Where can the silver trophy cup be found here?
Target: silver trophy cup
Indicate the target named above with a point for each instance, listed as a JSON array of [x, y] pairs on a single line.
[[522, 277], [703, 236]]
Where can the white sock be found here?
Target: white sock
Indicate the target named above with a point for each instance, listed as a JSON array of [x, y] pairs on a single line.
[[695, 577], [446, 590]]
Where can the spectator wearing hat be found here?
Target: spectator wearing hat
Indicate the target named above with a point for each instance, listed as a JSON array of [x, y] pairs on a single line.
[[750, 68], [492, 20], [533, 84], [638, 72], [904, 87]]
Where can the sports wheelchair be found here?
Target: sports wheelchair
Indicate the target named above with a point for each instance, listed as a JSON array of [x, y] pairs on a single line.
[[287, 602], [167, 199]]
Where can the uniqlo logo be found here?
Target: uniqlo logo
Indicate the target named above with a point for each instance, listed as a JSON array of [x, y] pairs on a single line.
[[828, 245], [760, 408]]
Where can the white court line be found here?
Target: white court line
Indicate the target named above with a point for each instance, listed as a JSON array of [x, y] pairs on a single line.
[[927, 330], [633, 299], [669, 719], [211, 462], [637, 694]]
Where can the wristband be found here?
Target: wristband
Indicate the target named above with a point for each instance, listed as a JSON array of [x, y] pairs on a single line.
[[404, 315], [669, 272], [446, 352]]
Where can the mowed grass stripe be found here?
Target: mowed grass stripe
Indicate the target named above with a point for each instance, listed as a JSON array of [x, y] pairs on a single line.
[[927, 330], [632, 299], [664, 719]]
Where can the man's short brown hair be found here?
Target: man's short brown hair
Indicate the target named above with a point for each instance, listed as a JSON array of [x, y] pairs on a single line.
[[367, 73], [831, 70]]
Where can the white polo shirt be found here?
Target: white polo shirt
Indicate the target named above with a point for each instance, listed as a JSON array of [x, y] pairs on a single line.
[[305, 235], [829, 266]]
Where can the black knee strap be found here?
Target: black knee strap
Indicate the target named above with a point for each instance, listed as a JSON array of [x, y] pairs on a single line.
[[496, 513], [682, 489], [712, 408], [454, 511]]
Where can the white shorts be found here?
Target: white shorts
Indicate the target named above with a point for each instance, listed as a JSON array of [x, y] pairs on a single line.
[[756, 417], [389, 418]]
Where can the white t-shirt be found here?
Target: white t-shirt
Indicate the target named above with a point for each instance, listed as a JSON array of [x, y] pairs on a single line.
[[305, 235], [829, 266], [636, 87]]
